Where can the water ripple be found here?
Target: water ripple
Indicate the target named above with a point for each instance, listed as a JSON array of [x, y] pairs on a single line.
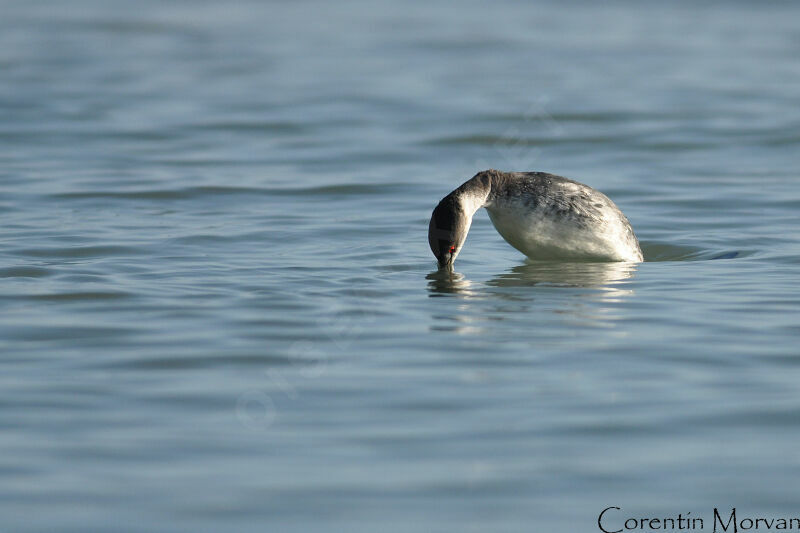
[[189, 193], [25, 272], [81, 251]]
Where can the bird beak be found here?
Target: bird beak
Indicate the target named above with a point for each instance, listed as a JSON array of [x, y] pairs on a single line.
[[447, 263]]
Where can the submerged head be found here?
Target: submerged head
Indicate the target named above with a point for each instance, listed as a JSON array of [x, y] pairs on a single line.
[[448, 230]]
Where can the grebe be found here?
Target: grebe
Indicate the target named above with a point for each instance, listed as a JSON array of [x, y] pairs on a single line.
[[542, 215]]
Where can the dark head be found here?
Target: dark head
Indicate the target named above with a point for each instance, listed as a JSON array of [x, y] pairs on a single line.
[[448, 230]]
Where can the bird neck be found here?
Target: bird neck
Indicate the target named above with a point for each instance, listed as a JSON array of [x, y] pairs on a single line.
[[476, 192]]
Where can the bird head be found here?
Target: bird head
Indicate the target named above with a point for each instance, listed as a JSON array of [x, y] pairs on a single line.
[[448, 230]]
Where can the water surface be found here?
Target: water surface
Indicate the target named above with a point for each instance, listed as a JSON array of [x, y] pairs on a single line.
[[220, 313]]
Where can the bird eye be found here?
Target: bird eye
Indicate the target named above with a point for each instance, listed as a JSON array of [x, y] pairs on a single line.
[[452, 249]]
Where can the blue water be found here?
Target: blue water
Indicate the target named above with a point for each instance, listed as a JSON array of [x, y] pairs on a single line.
[[218, 310]]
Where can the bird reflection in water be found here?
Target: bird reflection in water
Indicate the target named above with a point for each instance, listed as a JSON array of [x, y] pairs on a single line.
[[602, 276], [446, 281], [589, 293], [459, 318]]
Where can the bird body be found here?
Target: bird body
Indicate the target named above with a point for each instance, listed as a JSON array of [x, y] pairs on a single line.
[[542, 215]]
